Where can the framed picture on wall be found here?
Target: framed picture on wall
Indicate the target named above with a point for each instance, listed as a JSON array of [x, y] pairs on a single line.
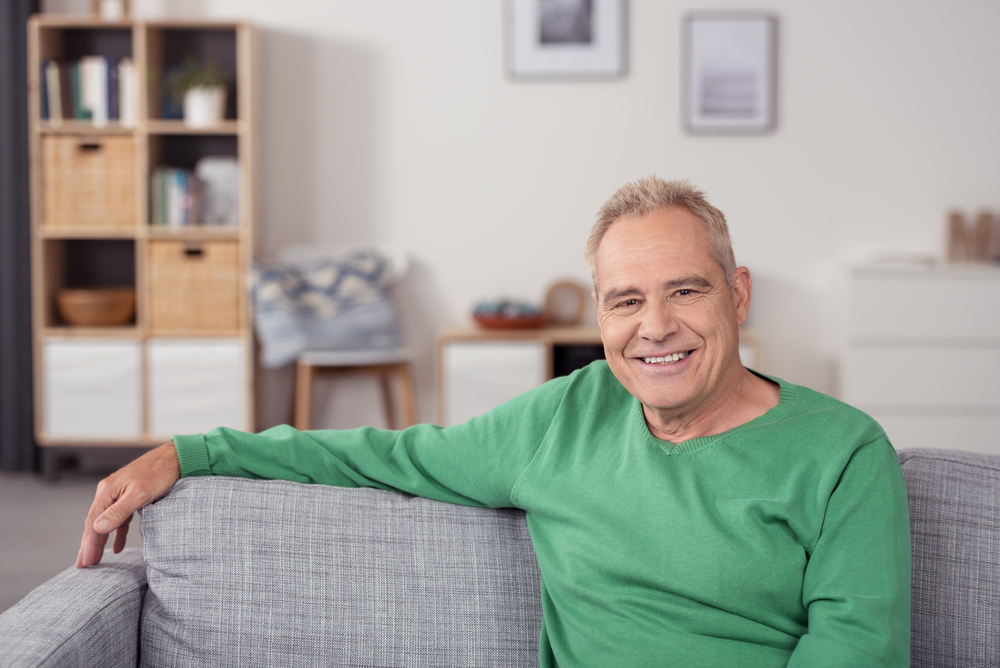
[[730, 77], [565, 39]]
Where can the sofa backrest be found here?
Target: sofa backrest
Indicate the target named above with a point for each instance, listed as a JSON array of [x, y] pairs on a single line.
[[955, 527], [247, 573]]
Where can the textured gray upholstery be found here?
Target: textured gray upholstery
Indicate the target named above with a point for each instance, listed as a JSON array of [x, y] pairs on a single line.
[[84, 619], [955, 524], [268, 573], [254, 573]]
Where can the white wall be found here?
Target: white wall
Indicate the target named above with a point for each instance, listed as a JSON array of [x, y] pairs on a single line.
[[393, 120]]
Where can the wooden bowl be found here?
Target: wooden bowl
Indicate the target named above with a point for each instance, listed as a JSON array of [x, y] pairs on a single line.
[[500, 322], [96, 307]]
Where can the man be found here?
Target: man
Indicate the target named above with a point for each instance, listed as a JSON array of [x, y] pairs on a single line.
[[684, 510]]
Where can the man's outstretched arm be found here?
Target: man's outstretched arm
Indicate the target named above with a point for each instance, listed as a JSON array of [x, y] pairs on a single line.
[[120, 495]]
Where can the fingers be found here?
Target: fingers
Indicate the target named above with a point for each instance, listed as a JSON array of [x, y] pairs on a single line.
[[120, 495], [95, 536], [120, 533]]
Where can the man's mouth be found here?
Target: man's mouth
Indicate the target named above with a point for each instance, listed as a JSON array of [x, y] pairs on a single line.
[[666, 359]]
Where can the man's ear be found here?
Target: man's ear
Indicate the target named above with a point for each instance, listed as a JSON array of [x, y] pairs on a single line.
[[742, 287], [593, 298]]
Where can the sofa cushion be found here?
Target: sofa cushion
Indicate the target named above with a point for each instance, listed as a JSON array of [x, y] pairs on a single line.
[[955, 525], [268, 573], [331, 303]]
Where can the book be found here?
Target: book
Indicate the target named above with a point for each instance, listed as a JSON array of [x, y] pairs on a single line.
[[44, 93], [113, 91], [93, 89], [53, 92], [65, 91], [79, 113], [127, 101]]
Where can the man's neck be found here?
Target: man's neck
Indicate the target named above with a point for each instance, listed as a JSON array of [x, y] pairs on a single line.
[[746, 397]]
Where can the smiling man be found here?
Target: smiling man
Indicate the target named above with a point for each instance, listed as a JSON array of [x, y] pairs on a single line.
[[670, 316], [685, 510]]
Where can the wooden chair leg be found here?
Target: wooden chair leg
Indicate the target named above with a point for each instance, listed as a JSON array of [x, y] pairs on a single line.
[[387, 403], [303, 395], [407, 394]]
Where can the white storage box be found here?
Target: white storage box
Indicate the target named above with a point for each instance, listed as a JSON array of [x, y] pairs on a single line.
[[196, 385], [91, 389], [481, 375]]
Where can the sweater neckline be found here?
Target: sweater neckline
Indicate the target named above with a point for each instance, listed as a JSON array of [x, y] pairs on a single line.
[[785, 401]]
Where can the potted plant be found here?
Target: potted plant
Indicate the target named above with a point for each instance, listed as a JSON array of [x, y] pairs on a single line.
[[202, 87]]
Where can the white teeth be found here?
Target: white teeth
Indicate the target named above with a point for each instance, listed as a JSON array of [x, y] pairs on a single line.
[[668, 359]]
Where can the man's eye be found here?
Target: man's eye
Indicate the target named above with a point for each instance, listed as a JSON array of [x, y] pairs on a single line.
[[684, 295], [628, 303]]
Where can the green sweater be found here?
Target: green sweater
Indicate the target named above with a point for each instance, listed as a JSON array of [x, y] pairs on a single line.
[[784, 541]]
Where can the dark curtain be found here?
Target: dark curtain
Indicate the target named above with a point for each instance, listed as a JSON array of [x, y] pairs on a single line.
[[17, 446]]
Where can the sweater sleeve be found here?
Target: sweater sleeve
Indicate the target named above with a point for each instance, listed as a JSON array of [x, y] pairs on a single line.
[[856, 586], [475, 463]]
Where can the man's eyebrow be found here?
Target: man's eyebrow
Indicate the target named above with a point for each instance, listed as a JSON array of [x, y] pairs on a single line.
[[694, 281], [687, 282], [616, 294]]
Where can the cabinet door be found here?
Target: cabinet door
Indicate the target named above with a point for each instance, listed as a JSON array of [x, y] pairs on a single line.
[[91, 389], [196, 385], [479, 375]]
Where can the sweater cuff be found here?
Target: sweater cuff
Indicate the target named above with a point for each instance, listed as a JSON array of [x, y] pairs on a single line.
[[192, 452]]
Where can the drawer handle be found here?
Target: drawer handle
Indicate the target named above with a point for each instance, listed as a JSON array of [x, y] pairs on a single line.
[[90, 146], [193, 251]]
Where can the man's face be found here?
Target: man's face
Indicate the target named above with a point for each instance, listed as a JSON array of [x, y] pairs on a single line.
[[669, 323]]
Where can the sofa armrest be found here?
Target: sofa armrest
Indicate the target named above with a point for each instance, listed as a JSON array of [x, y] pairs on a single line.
[[81, 618]]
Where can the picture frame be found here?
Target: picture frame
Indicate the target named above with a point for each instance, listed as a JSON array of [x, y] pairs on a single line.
[[730, 72], [565, 39]]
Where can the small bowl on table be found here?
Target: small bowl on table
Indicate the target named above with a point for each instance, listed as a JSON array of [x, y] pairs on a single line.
[[508, 314], [509, 322], [96, 307]]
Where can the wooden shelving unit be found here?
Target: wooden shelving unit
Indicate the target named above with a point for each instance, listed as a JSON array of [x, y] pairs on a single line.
[[179, 367]]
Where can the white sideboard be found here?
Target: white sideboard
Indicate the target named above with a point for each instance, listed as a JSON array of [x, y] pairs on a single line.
[[922, 354]]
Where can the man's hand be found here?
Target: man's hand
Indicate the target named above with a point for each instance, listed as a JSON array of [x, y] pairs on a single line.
[[120, 495]]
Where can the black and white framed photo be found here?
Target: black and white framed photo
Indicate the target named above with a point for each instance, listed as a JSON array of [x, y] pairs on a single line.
[[730, 77], [565, 39]]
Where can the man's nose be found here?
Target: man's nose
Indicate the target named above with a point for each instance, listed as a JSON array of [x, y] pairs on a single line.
[[659, 321]]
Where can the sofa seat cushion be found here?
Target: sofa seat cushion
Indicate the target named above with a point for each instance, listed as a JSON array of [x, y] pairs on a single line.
[[955, 525], [271, 573]]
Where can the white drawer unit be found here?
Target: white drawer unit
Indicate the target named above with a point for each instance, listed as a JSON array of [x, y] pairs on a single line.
[[480, 375], [196, 385], [92, 390], [922, 354]]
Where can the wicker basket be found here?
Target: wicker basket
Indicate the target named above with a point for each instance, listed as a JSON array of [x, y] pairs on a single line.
[[194, 287], [88, 181]]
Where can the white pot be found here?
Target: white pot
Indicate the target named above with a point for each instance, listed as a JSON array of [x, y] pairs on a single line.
[[204, 107]]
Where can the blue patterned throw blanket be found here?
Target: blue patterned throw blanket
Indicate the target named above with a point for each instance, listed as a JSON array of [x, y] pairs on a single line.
[[337, 303]]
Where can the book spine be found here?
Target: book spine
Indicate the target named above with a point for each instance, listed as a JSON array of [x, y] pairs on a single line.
[[127, 99], [52, 87], [155, 197], [79, 77], [113, 91], [98, 90], [65, 91], [44, 91], [164, 171]]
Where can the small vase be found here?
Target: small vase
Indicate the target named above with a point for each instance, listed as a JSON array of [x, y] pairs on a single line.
[[204, 107]]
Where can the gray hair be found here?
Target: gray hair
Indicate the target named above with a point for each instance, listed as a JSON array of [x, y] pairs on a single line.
[[650, 194]]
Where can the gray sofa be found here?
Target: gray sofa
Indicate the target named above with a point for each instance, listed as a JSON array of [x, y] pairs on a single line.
[[268, 573]]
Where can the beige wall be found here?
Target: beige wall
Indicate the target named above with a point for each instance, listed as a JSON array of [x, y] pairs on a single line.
[[393, 121]]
